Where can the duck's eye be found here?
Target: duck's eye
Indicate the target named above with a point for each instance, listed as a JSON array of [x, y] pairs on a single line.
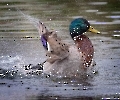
[[92, 27]]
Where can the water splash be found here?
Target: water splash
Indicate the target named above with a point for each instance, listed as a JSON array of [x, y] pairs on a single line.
[[11, 66], [32, 20]]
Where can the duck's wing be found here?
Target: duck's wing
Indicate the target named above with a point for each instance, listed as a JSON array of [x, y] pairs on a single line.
[[42, 28]]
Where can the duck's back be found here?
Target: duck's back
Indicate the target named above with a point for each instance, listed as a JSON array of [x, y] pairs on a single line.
[[69, 66]]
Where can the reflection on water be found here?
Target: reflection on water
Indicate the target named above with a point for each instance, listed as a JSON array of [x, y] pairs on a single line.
[[20, 45]]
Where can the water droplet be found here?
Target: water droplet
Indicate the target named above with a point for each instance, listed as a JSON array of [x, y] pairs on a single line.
[[59, 82], [74, 38]]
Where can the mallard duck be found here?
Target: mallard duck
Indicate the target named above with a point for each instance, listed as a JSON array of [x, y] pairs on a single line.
[[67, 60]]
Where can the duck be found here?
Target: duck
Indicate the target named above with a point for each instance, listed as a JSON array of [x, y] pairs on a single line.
[[64, 59]]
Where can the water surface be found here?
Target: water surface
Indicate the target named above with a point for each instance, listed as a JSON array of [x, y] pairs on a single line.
[[20, 45]]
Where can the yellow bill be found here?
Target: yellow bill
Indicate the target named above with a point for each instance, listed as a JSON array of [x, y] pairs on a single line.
[[91, 29]]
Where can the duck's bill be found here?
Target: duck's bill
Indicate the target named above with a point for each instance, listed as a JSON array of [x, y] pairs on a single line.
[[91, 29]]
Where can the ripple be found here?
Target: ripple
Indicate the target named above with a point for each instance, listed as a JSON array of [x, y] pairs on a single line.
[[98, 3], [116, 12], [116, 31], [91, 10], [101, 12], [105, 23], [114, 17], [116, 35], [76, 17]]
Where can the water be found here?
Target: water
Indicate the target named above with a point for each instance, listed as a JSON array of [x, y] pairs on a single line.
[[20, 45]]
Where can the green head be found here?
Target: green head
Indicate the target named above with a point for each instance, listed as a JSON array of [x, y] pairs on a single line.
[[79, 26]]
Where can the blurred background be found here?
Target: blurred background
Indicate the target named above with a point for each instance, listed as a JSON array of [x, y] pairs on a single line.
[[20, 45]]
